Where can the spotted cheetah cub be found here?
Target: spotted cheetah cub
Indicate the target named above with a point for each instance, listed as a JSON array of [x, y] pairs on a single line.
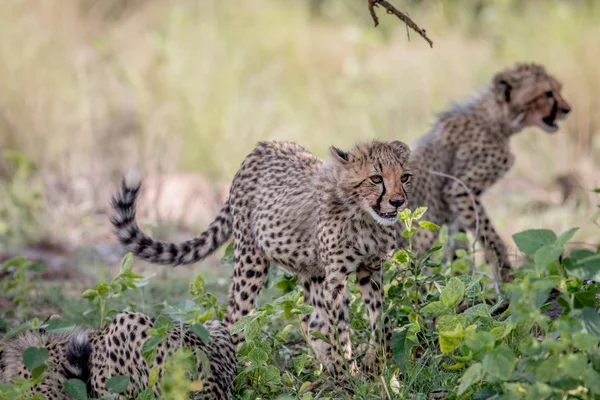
[[471, 142], [320, 220], [95, 355]]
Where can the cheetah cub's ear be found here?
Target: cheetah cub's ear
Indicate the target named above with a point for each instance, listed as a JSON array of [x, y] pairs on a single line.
[[401, 147], [340, 156]]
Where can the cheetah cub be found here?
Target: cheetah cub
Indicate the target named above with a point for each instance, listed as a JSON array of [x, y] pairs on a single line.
[[471, 142], [320, 220], [95, 355]]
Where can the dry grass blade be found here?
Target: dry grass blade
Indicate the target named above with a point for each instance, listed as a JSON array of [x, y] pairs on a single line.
[[403, 17]]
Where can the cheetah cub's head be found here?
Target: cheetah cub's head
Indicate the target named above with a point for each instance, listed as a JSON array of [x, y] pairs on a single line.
[[532, 95], [375, 177]]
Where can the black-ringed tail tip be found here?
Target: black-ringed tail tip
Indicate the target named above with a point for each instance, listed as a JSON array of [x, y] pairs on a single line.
[[143, 246]]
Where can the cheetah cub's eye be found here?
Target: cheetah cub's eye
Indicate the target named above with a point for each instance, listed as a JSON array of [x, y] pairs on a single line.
[[405, 178], [376, 179], [549, 94]]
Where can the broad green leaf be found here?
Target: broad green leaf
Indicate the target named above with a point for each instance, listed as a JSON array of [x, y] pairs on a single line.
[[565, 237], [461, 237], [584, 265], [472, 375], [258, 356], [591, 378], [126, 263], [33, 357], [401, 257], [480, 340], [90, 294], [227, 258], [453, 293], [58, 326], [530, 241], [300, 362], [252, 330], [271, 375], [38, 371], [201, 332], [500, 362], [430, 226], [584, 341], [401, 347], [18, 329], [435, 308], [404, 215], [451, 325], [117, 384], [104, 290], [547, 370], [320, 335], [547, 254], [448, 344], [574, 365], [409, 232], [76, 389], [591, 321], [153, 376], [418, 213]]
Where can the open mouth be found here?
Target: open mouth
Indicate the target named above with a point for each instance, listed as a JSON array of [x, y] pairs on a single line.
[[550, 120], [388, 215]]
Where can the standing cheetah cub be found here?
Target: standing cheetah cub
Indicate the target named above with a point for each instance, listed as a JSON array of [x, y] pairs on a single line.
[[471, 142], [321, 221]]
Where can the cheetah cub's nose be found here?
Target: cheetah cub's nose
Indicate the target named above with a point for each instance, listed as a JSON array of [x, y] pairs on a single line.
[[397, 202]]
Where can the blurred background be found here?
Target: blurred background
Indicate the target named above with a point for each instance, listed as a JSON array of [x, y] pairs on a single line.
[[184, 89]]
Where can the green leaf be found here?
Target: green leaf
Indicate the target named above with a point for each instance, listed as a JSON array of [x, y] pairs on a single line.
[[272, 375], [583, 264], [404, 215], [90, 294], [320, 335], [472, 375], [500, 362], [227, 258], [591, 321], [18, 329], [126, 264], [76, 389], [435, 308], [418, 213], [574, 365], [430, 226], [530, 241], [104, 290], [58, 326], [258, 356], [153, 376], [401, 347], [401, 257], [480, 340], [33, 357], [584, 341], [591, 379], [409, 232], [448, 344], [201, 332], [252, 330], [453, 293], [565, 237], [547, 254], [117, 384], [38, 371]]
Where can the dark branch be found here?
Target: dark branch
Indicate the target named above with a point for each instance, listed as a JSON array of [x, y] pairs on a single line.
[[390, 9]]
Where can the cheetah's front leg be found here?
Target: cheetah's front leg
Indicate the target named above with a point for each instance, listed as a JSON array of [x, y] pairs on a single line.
[[371, 290], [337, 327]]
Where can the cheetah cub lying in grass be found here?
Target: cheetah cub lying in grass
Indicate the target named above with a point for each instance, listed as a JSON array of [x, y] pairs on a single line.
[[471, 142], [94, 356], [321, 220]]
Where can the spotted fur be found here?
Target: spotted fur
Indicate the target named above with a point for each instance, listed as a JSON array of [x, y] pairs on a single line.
[[94, 356], [321, 221], [471, 142]]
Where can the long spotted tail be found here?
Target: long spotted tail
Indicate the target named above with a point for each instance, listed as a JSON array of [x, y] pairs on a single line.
[[160, 252]]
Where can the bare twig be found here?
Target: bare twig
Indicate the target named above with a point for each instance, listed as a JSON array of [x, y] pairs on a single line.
[[390, 9]]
